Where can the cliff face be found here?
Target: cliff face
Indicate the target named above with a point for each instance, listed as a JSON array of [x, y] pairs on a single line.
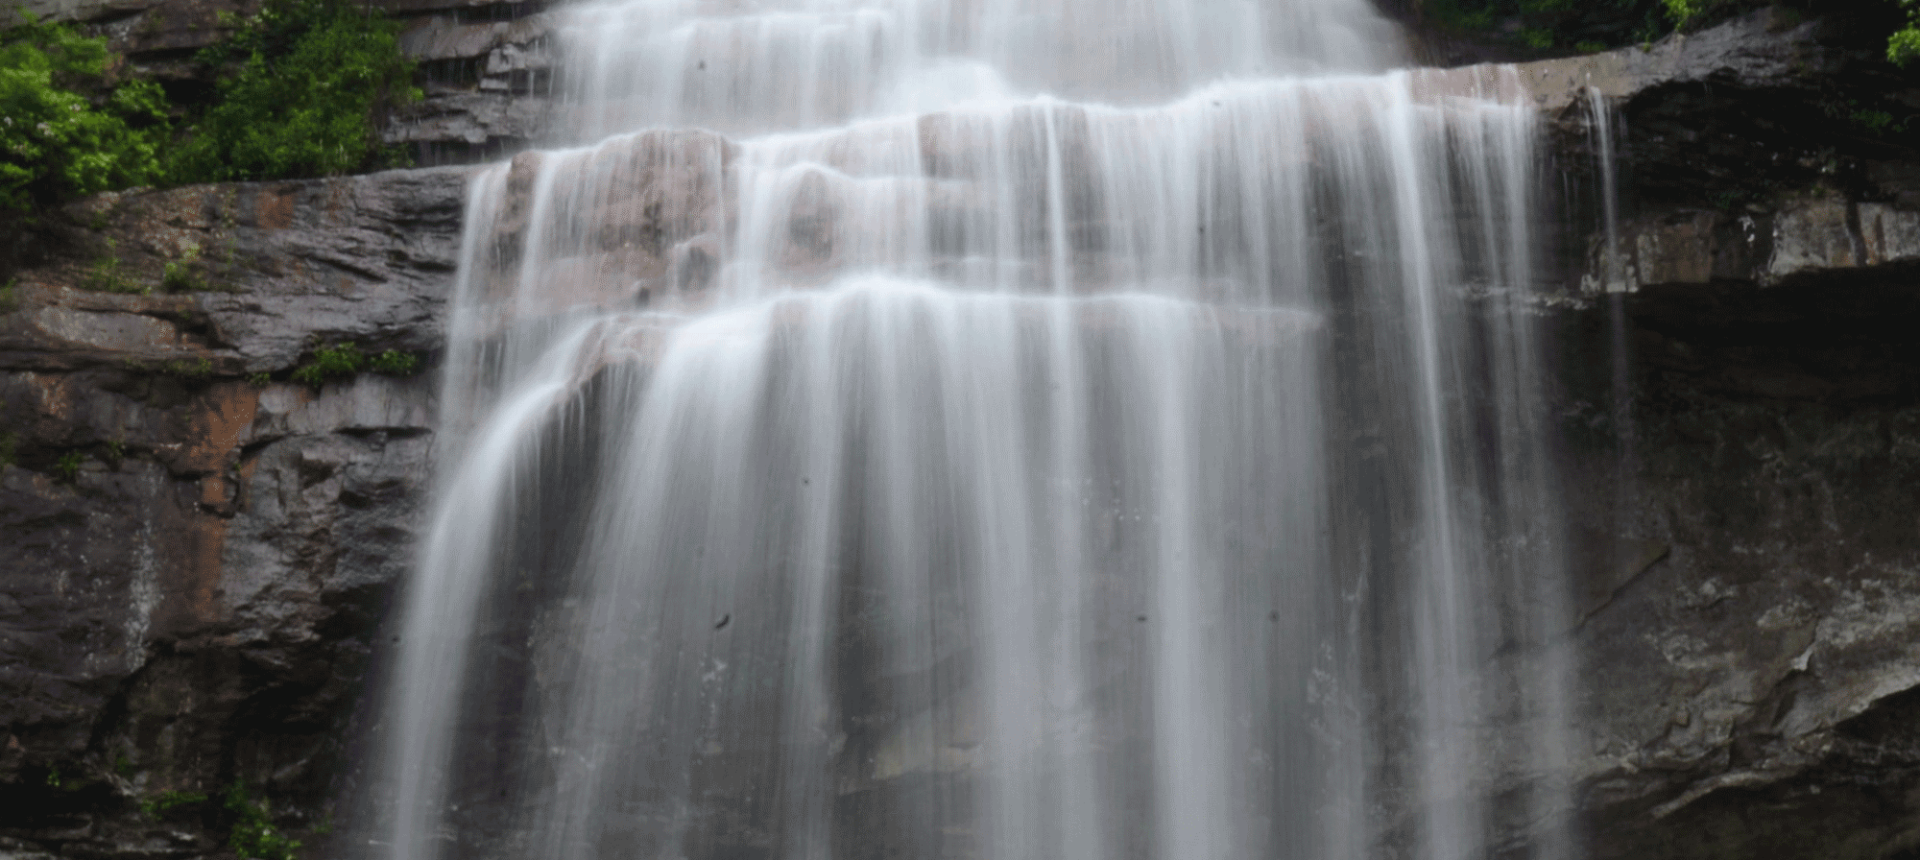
[[199, 552], [199, 556]]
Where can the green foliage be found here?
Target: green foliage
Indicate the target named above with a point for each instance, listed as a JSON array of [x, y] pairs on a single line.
[[1543, 25], [65, 127], [308, 82], [200, 368], [395, 363], [260, 380], [254, 835], [335, 362], [1904, 45], [1871, 120], [68, 468], [117, 451], [156, 807], [178, 276], [105, 275], [9, 296]]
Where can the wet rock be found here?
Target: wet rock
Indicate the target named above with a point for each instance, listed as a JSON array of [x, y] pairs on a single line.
[[275, 269], [198, 562], [1808, 238]]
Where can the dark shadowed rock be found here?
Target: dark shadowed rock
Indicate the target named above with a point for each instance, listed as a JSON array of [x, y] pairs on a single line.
[[197, 562]]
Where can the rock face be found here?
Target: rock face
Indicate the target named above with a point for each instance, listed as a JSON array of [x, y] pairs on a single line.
[[486, 65], [1742, 389], [200, 549]]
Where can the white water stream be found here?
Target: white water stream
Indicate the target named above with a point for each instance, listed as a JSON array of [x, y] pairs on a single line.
[[1036, 430]]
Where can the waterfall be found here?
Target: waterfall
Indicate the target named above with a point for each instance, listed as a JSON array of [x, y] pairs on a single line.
[[1011, 429]]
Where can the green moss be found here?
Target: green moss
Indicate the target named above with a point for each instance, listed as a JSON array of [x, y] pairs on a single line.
[[157, 806], [188, 368], [9, 448], [260, 380], [9, 296]]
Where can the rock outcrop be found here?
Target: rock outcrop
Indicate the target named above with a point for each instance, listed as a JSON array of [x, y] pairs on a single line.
[[201, 549], [485, 65]]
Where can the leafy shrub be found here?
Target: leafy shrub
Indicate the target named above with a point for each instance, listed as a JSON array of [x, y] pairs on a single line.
[[331, 363], [254, 835], [65, 128], [1904, 45], [309, 81], [395, 363]]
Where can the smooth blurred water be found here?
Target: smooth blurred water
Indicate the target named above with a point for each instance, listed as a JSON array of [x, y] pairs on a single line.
[[1076, 429]]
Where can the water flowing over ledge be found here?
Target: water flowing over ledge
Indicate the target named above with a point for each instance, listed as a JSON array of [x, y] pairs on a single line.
[[1060, 434]]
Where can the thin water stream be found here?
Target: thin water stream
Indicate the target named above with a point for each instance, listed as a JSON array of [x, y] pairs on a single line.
[[1013, 429]]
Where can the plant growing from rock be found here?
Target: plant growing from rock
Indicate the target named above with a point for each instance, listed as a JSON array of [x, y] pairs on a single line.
[[68, 466], [196, 368], [178, 276], [395, 363], [335, 362], [157, 806], [306, 84], [106, 276], [254, 834]]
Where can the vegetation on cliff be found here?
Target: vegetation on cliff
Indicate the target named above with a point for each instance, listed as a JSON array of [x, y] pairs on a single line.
[[310, 81], [303, 87], [67, 126], [1538, 27]]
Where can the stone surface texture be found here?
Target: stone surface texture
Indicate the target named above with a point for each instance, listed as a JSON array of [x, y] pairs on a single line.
[[199, 551]]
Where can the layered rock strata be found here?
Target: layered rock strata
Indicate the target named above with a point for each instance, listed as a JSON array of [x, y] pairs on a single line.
[[198, 549], [199, 556]]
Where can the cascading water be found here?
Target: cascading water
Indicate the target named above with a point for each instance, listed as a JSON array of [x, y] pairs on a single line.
[[1077, 429]]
